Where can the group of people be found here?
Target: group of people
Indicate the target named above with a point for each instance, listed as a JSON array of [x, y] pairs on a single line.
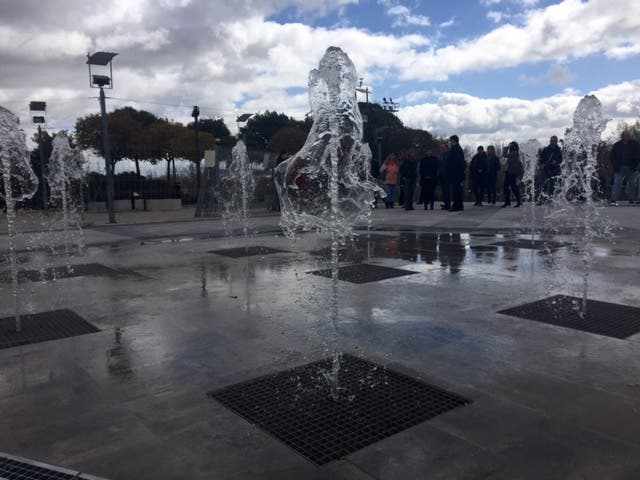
[[448, 169]]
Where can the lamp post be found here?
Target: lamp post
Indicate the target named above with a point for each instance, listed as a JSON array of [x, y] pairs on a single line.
[[103, 81], [364, 90], [40, 107], [195, 113]]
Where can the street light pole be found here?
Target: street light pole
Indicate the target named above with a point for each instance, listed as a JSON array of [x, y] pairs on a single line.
[[42, 180], [107, 158], [103, 59], [199, 190]]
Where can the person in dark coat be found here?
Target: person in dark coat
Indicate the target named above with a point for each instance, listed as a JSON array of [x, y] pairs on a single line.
[[409, 175], [445, 186], [478, 170], [551, 167], [513, 170], [493, 167], [281, 158], [428, 178], [625, 157], [456, 167]]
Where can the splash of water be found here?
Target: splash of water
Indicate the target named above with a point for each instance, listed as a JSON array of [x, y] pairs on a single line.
[[325, 186], [19, 183], [237, 190], [66, 167], [529, 152], [574, 205]]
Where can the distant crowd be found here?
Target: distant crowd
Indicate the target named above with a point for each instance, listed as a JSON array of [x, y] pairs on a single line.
[[447, 169]]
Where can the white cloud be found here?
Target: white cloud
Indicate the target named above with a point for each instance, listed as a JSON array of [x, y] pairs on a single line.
[[571, 29], [559, 74], [448, 23], [495, 15], [415, 96], [480, 120], [403, 16]]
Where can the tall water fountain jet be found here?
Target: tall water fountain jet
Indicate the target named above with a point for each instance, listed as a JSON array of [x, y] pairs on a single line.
[[326, 186], [66, 168], [574, 204], [237, 190], [529, 151], [19, 183]]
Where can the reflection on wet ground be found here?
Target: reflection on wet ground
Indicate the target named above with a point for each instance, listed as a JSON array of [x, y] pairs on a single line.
[[452, 251]]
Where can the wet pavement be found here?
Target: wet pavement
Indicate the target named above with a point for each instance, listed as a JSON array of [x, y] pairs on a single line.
[[179, 321]]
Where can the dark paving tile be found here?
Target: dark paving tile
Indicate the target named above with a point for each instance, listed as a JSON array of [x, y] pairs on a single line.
[[563, 451], [247, 251], [423, 452], [43, 327], [603, 318], [300, 408], [364, 273]]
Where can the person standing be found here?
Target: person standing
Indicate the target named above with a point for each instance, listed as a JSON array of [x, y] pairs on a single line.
[[276, 198], [445, 186], [512, 173], [409, 174], [478, 170], [625, 157], [493, 167], [456, 167], [551, 166], [389, 177], [428, 178]]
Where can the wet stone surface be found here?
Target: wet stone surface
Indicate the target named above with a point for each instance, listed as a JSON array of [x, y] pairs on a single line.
[[532, 244], [246, 251], [129, 401]]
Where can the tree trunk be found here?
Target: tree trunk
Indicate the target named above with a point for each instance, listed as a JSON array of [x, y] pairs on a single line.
[[169, 171], [173, 163]]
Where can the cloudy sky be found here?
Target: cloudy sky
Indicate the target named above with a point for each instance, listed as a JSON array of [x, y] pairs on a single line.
[[485, 69]]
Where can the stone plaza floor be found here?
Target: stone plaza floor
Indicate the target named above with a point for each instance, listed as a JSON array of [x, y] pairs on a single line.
[[179, 317]]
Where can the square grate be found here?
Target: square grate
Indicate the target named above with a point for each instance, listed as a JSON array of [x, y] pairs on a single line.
[[531, 244], [240, 252], [296, 406], [364, 273], [16, 468], [603, 318], [42, 327], [80, 270]]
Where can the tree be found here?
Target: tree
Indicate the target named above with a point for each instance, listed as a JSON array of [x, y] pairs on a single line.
[[263, 126], [214, 126], [290, 139], [125, 133]]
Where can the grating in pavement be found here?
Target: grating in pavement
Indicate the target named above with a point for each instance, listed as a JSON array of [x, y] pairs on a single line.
[[603, 318], [531, 244], [16, 468], [374, 402], [240, 252], [42, 327], [80, 270], [364, 273]]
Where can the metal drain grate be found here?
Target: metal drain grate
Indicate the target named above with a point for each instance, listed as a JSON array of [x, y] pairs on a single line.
[[374, 402], [531, 244], [602, 318], [81, 270], [42, 327], [364, 273], [16, 468], [246, 251]]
